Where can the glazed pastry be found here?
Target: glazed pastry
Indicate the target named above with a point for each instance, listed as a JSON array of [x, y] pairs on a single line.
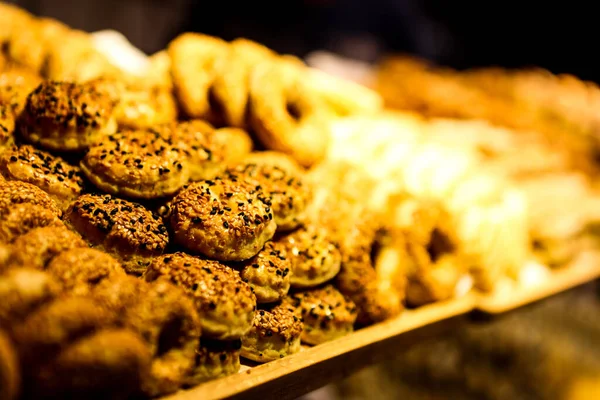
[[53, 326], [15, 86], [214, 359], [111, 363], [80, 269], [313, 256], [227, 218], [282, 183], [286, 113], [326, 313], [194, 61], [7, 127], [67, 116], [10, 375], [165, 318], [22, 291], [137, 164], [275, 334], [39, 246], [52, 174], [268, 273], [225, 303], [125, 230]]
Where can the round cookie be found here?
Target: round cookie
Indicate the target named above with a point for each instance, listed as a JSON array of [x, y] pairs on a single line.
[[109, 364], [225, 303], [137, 164], [227, 218], [80, 269], [7, 127], [10, 375], [126, 230], [52, 174], [67, 116], [326, 313], [39, 246], [275, 334], [22, 291], [214, 359], [285, 186], [314, 258], [165, 318], [268, 273]]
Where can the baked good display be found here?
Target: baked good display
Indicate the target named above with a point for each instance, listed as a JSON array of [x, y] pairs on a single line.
[[214, 359], [62, 181], [67, 116], [275, 334], [225, 303], [126, 230], [227, 218], [267, 273]]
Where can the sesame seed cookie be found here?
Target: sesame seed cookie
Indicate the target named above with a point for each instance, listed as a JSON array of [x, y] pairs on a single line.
[[22, 291], [225, 303], [167, 320], [10, 374], [39, 246], [80, 269], [67, 116], [284, 185], [63, 182], [214, 359], [125, 230], [137, 164], [326, 313], [109, 364], [275, 334], [268, 273], [227, 218], [314, 257]]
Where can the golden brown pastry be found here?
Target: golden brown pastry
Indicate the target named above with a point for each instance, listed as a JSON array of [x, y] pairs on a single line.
[[22, 291], [225, 303], [10, 374], [55, 325], [194, 61], [125, 230], [285, 186], [7, 127], [313, 256], [80, 269], [214, 359], [165, 318], [110, 363], [137, 164], [15, 86], [268, 273], [39, 246], [67, 116], [52, 174], [236, 142], [13, 193], [326, 313], [12, 18], [286, 114], [275, 334], [227, 218]]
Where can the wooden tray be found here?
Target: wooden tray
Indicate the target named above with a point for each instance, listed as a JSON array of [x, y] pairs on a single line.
[[584, 269], [316, 366]]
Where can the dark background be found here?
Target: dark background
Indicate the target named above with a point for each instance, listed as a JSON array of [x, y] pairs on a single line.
[[560, 36]]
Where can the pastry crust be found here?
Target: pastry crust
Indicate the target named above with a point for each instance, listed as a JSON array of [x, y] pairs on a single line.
[[236, 142], [80, 269], [268, 273], [326, 313], [67, 116], [275, 334], [15, 86], [24, 217], [7, 127], [137, 164], [10, 374], [227, 218], [126, 230], [314, 257], [52, 174], [39, 246], [214, 359], [225, 303]]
